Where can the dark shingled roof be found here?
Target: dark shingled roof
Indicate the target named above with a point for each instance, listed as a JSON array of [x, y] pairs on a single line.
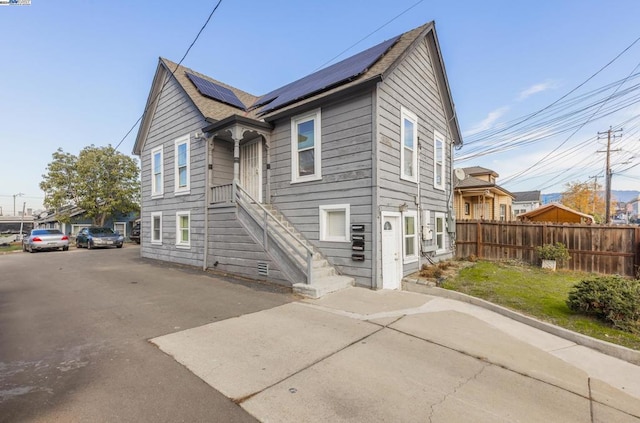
[[478, 170], [527, 196]]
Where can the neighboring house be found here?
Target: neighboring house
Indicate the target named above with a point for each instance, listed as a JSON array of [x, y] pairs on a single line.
[[341, 177], [526, 201], [556, 213], [78, 220], [477, 196]]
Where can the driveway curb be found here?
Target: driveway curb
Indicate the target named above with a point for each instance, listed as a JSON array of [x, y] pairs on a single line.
[[617, 351]]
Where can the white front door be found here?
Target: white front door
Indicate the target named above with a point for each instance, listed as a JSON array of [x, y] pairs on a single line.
[[251, 169], [391, 251]]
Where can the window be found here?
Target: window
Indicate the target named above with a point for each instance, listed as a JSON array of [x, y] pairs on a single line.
[[121, 228], [409, 148], [305, 148], [440, 232], [438, 161], [182, 165], [334, 223], [157, 170], [156, 228], [503, 212], [410, 238], [183, 229], [467, 209]]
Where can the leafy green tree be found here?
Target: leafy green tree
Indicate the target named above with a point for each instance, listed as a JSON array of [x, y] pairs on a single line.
[[100, 180]]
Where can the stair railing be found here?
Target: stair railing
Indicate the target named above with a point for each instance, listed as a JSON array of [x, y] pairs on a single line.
[[267, 220]]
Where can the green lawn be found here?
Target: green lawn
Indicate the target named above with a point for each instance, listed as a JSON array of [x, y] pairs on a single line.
[[535, 292], [11, 247]]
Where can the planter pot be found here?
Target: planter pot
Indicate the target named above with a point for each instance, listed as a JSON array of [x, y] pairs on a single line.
[[549, 264]]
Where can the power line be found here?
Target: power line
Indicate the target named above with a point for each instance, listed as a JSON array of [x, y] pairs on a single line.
[[366, 36], [172, 73], [570, 92]]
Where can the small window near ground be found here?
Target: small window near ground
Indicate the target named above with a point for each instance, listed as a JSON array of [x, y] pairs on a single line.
[[409, 231], [440, 232], [183, 229], [334, 223], [156, 228]]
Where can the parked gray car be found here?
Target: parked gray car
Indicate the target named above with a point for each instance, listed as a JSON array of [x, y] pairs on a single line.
[[45, 239], [96, 237]]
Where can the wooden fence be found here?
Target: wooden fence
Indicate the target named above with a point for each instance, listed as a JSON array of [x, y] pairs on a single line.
[[605, 249]]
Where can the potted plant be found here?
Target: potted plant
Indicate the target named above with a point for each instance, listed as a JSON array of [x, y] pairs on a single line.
[[550, 254]]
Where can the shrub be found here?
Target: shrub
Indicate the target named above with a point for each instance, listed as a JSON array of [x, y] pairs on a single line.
[[557, 251], [611, 298]]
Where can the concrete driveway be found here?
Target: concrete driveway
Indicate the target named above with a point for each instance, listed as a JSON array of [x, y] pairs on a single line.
[[390, 356]]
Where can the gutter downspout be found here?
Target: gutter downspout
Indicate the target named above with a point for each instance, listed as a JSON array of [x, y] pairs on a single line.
[[207, 193]]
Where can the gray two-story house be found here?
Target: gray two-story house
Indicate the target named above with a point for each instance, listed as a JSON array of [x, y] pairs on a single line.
[[342, 177]]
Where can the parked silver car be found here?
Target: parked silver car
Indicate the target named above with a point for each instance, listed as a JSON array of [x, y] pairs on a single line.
[[95, 237], [45, 239]]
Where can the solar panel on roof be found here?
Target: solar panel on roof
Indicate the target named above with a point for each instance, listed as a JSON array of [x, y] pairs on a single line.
[[215, 91], [324, 78]]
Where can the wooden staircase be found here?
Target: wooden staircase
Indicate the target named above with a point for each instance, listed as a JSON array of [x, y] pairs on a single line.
[[310, 273]]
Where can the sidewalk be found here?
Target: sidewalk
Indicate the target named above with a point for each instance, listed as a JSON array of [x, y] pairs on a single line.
[[362, 355]]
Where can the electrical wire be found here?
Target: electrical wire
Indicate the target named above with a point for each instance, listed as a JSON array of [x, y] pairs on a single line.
[[367, 36], [576, 88], [172, 74]]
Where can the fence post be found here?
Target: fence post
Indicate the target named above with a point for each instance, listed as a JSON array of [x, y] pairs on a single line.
[[636, 248], [479, 239]]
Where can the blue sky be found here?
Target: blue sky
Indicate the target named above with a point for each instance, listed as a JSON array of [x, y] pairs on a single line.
[[78, 72]]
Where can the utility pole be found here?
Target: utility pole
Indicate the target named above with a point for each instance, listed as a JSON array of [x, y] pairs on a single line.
[[608, 171], [595, 189], [14, 202]]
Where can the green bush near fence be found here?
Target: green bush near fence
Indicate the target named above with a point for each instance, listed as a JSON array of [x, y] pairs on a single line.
[[614, 299]]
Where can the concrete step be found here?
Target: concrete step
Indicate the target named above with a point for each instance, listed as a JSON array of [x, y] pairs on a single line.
[[324, 286], [323, 272]]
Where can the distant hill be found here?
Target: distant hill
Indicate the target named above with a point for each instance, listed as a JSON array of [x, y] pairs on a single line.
[[621, 196]]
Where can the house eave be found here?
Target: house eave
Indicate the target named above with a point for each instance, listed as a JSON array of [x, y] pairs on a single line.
[[237, 120]]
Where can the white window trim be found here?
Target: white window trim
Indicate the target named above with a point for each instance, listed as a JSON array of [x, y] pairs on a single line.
[[315, 115], [159, 240], [75, 228], [124, 225], [156, 191], [437, 136], [406, 114], [186, 189], [179, 243], [440, 215], [414, 257], [323, 217]]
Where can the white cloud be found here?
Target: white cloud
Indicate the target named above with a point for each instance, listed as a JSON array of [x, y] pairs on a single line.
[[488, 122], [535, 89]]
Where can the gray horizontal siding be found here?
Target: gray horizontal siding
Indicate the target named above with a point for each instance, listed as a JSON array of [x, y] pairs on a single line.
[[347, 178], [175, 116], [235, 251], [412, 85]]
